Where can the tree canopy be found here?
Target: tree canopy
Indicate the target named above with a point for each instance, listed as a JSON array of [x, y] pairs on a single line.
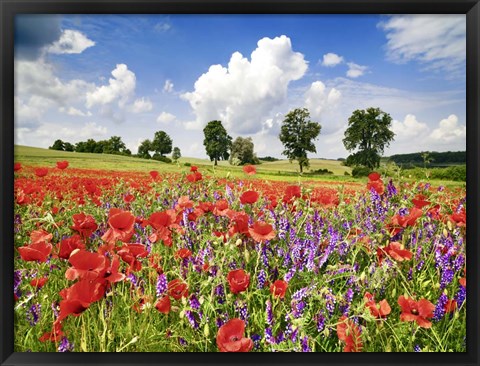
[[242, 152], [176, 154], [161, 143], [368, 132], [217, 142], [297, 135]]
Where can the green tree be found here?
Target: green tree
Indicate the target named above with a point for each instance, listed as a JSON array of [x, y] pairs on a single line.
[[217, 142], [69, 147], [368, 132], [144, 149], [58, 145], [297, 134], [116, 145], [161, 143], [242, 152], [176, 154]]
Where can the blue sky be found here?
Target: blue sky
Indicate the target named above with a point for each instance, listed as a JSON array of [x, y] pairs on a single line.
[[95, 76]]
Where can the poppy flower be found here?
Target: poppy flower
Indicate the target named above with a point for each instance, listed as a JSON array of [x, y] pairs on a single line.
[[177, 289], [420, 201], [291, 192], [373, 176], [39, 282], [128, 198], [238, 280], [230, 337], [417, 311], [221, 208], [349, 332], [164, 305], [182, 253], [154, 174], [41, 172], [278, 288], [157, 220], [239, 224], [62, 164], [54, 335], [17, 167], [84, 224], [184, 202], [193, 168], [194, 177], [68, 245], [450, 306], [396, 251], [130, 254], [249, 197], [38, 251], [78, 297], [121, 226], [380, 310], [37, 236], [459, 218], [261, 231], [111, 273], [86, 265], [249, 169]]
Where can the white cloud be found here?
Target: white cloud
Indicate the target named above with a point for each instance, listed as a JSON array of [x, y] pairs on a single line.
[[319, 102], [168, 87], [331, 59], [409, 128], [449, 130], [162, 27], [30, 110], [354, 70], [142, 105], [165, 118], [71, 41], [243, 94], [71, 111], [120, 88], [438, 41]]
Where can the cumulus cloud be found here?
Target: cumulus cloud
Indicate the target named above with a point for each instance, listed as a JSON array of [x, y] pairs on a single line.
[[449, 130], [120, 88], [71, 111], [318, 101], [242, 94], [409, 128], [438, 41], [165, 118], [71, 41], [354, 70], [168, 87], [331, 60], [142, 105], [162, 27]]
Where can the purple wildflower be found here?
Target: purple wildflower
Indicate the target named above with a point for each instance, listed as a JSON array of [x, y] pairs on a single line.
[[65, 345]]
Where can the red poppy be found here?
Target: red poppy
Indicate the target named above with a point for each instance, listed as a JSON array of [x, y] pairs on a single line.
[[206, 206], [62, 164], [221, 208], [157, 220], [420, 201], [380, 310], [130, 254], [86, 265], [164, 305], [278, 288], [349, 332], [121, 226], [17, 167], [111, 272], [249, 197], [38, 251], [450, 306], [39, 282], [194, 177], [177, 289], [84, 224], [463, 281], [250, 169], [238, 280], [55, 335], [40, 236], [154, 174], [78, 297], [193, 168], [292, 192], [396, 251], [373, 176], [262, 231], [184, 202], [68, 245], [41, 172], [128, 198], [459, 218], [418, 311], [239, 224], [230, 337], [182, 253]]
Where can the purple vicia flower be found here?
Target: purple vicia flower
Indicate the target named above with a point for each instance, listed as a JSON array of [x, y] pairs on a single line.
[[65, 345], [305, 347], [268, 313], [439, 311], [33, 314], [262, 277], [192, 319], [162, 284], [460, 296]]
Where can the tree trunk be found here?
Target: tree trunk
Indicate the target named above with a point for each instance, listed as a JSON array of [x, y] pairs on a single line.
[[301, 167], [215, 162]]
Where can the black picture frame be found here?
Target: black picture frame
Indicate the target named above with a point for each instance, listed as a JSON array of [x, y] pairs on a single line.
[[8, 10]]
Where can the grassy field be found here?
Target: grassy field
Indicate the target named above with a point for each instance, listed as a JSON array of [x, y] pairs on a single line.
[[278, 170]]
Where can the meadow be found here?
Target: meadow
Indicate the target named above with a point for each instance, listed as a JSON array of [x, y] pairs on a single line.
[[117, 254]]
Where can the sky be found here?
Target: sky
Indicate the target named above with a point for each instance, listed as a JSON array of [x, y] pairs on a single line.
[[96, 76]]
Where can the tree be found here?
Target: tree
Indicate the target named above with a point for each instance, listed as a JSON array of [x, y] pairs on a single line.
[[58, 145], [144, 148], [176, 154], [161, 143], [116, 145], [69, 147], [217, 142], [369, 132], [242, 152], [297, 134]]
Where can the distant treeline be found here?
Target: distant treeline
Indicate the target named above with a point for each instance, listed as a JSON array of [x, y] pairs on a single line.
[[430, 159]]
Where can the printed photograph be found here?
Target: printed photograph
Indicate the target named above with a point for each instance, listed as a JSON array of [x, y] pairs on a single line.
[[240, 183]]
